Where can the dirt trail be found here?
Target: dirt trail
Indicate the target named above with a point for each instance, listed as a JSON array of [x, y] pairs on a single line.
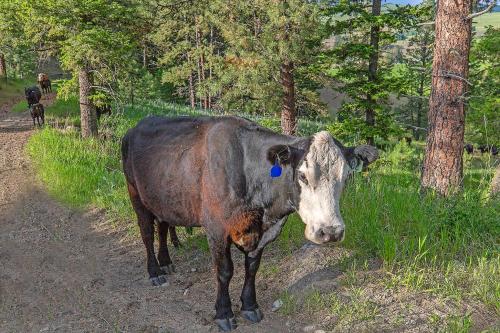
[[68, 271]]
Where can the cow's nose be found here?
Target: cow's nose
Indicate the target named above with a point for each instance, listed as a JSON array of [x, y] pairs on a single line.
[[328, 234]]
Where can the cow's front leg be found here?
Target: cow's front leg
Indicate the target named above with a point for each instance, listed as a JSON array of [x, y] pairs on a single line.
[[221, 256], [249, 307]]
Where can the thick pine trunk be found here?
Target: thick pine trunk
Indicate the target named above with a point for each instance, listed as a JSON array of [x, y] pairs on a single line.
[[442, 169], [373, 67], [3, 67], [87, 109], [288, 112]]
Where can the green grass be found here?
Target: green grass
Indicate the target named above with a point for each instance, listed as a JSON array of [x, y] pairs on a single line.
[[13, 88], [481, 22], [20, 107], [444, 246]]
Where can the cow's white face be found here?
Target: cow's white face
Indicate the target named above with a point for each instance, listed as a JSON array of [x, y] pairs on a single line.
[[321, 178]]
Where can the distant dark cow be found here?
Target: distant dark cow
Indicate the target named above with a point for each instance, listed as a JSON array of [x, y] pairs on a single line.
[[46, 86], [44, 82], [469, 148], [33, 95], [215, 172], [494, 150], [488, 149], [37, 112]]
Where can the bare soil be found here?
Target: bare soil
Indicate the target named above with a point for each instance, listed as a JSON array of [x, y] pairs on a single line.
[[63, 270]]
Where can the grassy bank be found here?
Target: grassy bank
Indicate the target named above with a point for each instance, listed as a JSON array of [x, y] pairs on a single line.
[[13, 88], [444, 246]]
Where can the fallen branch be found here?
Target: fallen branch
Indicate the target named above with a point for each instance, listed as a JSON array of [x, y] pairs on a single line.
[[426, 23], [454, 76], [416, 127], [487, 9]]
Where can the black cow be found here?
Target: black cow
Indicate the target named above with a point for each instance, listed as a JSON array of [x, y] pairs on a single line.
[[46, 86], [488, 149], [215, 172], [469, 148], [33, 95], [37, 112]]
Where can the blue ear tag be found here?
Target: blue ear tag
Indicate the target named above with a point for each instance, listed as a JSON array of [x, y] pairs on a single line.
[[276, 170]]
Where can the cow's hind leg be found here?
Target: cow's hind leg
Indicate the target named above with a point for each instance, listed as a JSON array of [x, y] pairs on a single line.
[[249, 307], [221, 256], [163, 256], [146, 224], [173, 237]]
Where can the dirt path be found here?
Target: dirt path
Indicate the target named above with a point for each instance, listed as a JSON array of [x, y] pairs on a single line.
[[68, 271]]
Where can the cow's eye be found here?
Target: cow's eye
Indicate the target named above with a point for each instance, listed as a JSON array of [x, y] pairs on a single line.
[[303, 178]]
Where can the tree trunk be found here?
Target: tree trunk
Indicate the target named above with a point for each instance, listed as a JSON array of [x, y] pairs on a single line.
[[144, 56], [197, 32], [372, 68], [420, 106], [87, 109], [191, 91], [288, 112], [3, 68], [442, 169]]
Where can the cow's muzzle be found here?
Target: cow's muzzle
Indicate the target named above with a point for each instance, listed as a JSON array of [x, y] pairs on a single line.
[[329, 234]]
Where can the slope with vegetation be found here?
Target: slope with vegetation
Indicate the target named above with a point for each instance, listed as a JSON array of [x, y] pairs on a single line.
[[442, 248], [410, 260]]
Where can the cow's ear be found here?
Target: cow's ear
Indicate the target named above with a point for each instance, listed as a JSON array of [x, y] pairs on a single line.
[[285, 154], [360, 156]]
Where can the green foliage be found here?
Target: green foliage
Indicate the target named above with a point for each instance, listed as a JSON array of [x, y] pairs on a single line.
[[482, 124], [235, 63], [16, 48], [348, 64]]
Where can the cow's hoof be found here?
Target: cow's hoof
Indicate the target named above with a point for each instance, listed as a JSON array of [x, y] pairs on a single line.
[[169, 269], [158, 280], [226, 324], [252, 315]]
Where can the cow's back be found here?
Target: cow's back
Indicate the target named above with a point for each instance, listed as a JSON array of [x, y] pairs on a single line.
[[167, 159]]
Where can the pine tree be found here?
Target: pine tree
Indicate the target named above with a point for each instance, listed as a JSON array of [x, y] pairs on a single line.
[[360, 69], [416, 73], [268, 46], [443, 164]]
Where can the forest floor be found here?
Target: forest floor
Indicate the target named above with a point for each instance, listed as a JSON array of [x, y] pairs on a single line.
[[64, 270]]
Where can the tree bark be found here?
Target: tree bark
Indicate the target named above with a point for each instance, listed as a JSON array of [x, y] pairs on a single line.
[[87, 108], [288, 111], [3, 67], [191, 91], [443, 165], [372, 68]]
